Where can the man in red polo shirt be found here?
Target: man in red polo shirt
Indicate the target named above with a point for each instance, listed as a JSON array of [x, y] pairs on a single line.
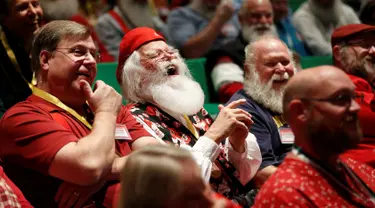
[[65, 136], [354, 52]]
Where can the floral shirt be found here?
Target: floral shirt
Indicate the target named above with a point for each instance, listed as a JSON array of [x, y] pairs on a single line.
[[224, 177], [302, 183]]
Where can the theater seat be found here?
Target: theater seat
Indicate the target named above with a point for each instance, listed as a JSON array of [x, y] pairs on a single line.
[[312, 61]]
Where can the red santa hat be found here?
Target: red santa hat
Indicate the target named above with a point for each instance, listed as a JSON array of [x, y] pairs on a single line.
[[132, 41], [350, 32]]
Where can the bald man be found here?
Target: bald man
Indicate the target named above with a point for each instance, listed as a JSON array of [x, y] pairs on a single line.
[[225, 64], [319, 105]]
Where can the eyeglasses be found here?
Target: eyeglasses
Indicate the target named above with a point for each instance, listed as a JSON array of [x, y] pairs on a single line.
[[156, 53], [339, 100], [361, 43], [77, 54]]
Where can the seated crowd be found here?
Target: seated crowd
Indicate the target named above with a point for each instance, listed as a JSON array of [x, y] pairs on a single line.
[[284, 136]]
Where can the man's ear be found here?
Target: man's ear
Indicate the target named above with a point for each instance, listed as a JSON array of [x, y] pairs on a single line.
[[44, 57], [336, 54], [298, 111]]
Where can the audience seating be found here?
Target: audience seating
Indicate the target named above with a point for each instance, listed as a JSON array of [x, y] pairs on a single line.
[[311, 61], [295, 4], [107, 72]]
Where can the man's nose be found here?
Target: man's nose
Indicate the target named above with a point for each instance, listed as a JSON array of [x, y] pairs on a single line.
[[263, 19], [354, 106], [280, 69], [169, 56], [372, 51], [90, 59], [32, 9]]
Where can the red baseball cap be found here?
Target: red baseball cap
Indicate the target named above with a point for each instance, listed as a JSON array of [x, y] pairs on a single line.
[[131, 41], [349, 32]]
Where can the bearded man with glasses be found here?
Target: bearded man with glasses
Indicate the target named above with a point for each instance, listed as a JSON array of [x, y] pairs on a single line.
[[66, 144], [354, 52]]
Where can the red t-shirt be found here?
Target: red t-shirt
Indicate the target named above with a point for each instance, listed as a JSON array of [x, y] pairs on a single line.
[[10, 195], [365, 152], [32, 132]]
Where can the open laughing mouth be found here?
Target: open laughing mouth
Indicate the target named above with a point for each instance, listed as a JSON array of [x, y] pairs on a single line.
[[280, 81], [172, 70]]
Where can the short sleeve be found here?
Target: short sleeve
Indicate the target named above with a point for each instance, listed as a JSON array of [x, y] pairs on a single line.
[[180, 27], [135, 129], [31, 138]]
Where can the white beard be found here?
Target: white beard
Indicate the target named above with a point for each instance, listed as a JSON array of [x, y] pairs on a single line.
[[252, 33], [179, 94], [263, 93]]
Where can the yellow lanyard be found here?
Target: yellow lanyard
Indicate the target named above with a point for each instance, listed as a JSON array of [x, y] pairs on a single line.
[[13, 59], [279, 120], [191, 127], [54, 100]]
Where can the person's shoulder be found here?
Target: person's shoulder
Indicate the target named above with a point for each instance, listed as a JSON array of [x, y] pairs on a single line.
[[249, 106], [347, 8], [136, 109], [303, 11], [183, 12], [23, 112], [361, 84], [241, 94], [290, 174], [104, 18], [24, 107]]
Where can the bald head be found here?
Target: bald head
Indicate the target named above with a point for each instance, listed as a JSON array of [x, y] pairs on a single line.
[[319, 106], [256, 11], [313, 82], [249, 5]]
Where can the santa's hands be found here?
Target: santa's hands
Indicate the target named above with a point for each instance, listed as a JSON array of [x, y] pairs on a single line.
[[224, 11], [103, 99], [230, 120]]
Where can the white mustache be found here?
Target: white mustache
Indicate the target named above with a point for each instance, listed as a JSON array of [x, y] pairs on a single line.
[[278, 77], [261, 26]]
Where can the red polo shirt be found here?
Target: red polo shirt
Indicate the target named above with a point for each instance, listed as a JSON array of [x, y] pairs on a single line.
[[32, 132], [365, 152]]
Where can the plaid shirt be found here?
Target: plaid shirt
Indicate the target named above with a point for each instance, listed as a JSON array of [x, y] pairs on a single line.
[[7, 197]]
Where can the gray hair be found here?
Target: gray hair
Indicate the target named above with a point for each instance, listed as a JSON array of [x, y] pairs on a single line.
[[132, 79], [152, 176], [51, 34]]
